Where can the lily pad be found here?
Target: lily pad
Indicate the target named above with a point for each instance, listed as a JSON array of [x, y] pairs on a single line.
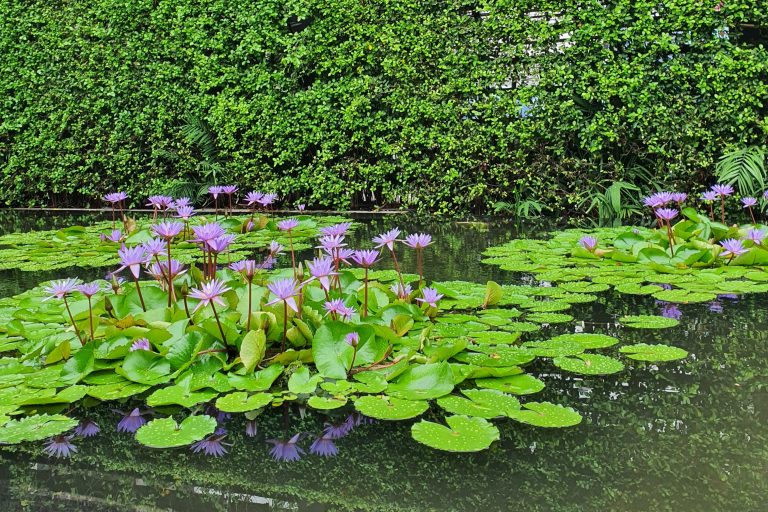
[[179, 395], [648, 321], [589, 364], [240, 401], [384, 407], [423, 382], [546, 414], [588, 340], [326, 403], [554, 348], [35, 428], [463, 434], [522, 384], [166, 433], [645, 352], [480, 403]]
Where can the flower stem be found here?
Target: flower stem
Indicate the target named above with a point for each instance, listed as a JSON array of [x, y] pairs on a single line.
[[71, 319], [419, 264], [397, 268], [285, 323], [752, 214], [186, 309], [293, 256], [169, 276], [221, 330], [365, 294], [352, 364], [90, 317], [250, 299], [722, 208], [711, 212], [138, 290]]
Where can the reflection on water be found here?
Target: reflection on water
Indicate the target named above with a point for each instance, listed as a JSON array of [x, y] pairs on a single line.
[[688, 435]]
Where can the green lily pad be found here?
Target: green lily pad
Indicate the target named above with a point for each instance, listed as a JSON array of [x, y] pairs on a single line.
[[684, 296], [179, 395], [326, 403], [423, 382], [554, 348], [648, 321], [588, 340], [463, 434], [117, 391], [166, 433], [240, 401], [480, 403], [546, 414], [638, 289], [549, 318], [494, 337], [35, 428], [589, 364], [522, 384], [645, 352], [384, 407]]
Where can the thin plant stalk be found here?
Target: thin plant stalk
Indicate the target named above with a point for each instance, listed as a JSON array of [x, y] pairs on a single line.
[[420, 264], [293, 256], [285, 323], [186, 308], [397, 268], [72, 319], [90, 316], [250, 301], [752, 214], [169, 277], [138, 290], [722, 208], [711, 212], [669, 234], [354, 356], [221, 329], [365, 293]]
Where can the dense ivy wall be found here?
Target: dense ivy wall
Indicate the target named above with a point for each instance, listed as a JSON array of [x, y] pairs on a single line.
[[445, 106]]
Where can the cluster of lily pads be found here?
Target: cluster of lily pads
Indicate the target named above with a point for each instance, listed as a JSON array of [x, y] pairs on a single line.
[[697, 259], [217, 335]]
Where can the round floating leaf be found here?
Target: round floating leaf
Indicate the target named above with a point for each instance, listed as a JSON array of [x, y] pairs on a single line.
[[645, 352], [496, 356], [240, 401], [494, 337], [536, 306], [549, 318], [522, 384], [546, 414], [116, 391], [178, 395], [423, 382], [34, 428], [684, 296], [481, 403], [463, 434], [384, 407], [589, 364], [166, 433], [648, 321], [326, 403], [521, 327], [638, 289], [588, 340], [554, 348], [583, 287]]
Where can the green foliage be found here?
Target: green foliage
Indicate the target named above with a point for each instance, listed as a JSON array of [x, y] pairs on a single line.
[[744, 168], [344, 103]]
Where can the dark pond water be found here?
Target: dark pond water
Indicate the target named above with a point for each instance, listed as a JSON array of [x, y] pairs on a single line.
[[683, 436]]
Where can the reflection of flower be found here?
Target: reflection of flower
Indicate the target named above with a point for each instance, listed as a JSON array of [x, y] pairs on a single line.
[[87, 428], [669, 310], [60, 447], [324, 446], [212, 445], [286, 451], [131, 421], [715, 307], [251, 428]]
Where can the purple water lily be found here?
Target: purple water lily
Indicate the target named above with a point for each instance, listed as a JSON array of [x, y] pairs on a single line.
[[60, 290], [679, 198], [285, 290], [182, 202], [588, 242], [324, 447], [748, 203], [185, 212], [322, 269], [710, 197], [89, 289], [419, 241], [756, 236], [131, 422], [140, 344], [286, 451], [115, 236], [402, 291], [365, 259], [132, 258], [301, 207], [168, 230], [87, 428], [251, 428], [430, 297], [212, 445], [722, 192], [732, 248], [252, 198], [339, 430], [116, 199], [60, 446], [288, 226], [209, 293], [336, 230], [387, 239], [667, 214], [267, 199]]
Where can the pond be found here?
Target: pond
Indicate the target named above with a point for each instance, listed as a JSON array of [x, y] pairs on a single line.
[[683, 435]]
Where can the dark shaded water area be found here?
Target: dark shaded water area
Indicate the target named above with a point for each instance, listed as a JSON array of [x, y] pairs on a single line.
[[689, 435]]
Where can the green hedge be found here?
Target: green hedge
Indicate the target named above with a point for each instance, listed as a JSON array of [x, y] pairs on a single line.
[[443, 106]]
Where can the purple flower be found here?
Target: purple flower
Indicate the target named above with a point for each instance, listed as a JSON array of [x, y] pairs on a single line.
[[389, 238], [87, 428], [666, 213], [204, 233], [185, 212], [430, 297], [336, 229], [229, 189], [182, 202], [715, 307], [115, 236], [324, 447], [344, 254], [89, 289], [275, 248], [352, 339], [365, 258], [733, 248], [722, 190], [331, 243], [251, 428], [160, 202], [756, 235], [61, 288], [154, 247], [658, 199], [215, 190], [209, 292], [669, 310], [220, 243], [246, 267], [337, 307], [161, 271], [285, 289], [301, 207], [60, 446], [168, 229], [267, 199], [287, 224], [286, 451], [418, 240], [253, 197], [765, 194], [140, 344], [322, 269], [709, 196], [115, 197], [131, 422], [212, 445], [132, 258], [679, 197], [339, 430], [402, 292], [748, 202], [588, 242], [728, 296]]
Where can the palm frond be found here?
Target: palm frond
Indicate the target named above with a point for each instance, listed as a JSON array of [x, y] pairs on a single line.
[[744, 168]]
